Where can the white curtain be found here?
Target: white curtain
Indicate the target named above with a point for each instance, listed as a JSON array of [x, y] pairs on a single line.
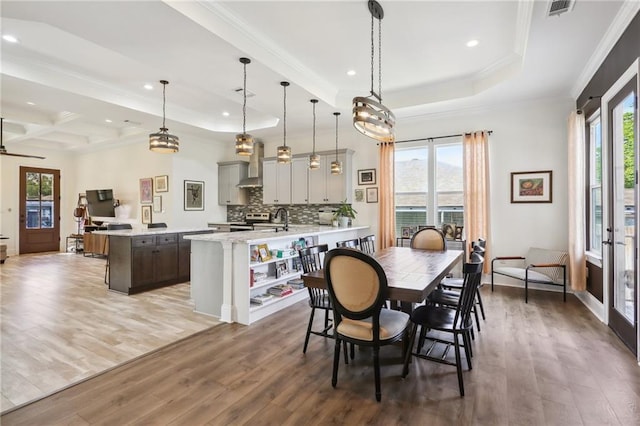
[[577, 227]]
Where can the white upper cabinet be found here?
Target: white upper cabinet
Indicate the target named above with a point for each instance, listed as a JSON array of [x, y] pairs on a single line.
[[230, 173], [320, 186], [300, 180], [276, 182]]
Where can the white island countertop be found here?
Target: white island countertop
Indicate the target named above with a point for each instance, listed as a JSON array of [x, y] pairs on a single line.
[[295, 231]]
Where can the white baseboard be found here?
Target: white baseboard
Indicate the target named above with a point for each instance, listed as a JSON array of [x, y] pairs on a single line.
[[594, 305]]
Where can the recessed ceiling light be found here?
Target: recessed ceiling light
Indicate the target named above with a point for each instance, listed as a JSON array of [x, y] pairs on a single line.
[[148, 86], [108, 121], [472, 43], [31, 103], [351, 73], [10, 38], [225, 113]]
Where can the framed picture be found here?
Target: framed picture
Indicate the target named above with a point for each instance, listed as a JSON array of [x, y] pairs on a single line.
[[157, 203], [146, 214], [367, 177], [406, 231], [193, 195], [146, 191], [264, 253], [282, 268], [449, 230], [162, 183], [360, 195], [531, 187], [372, 195], [458, 233]]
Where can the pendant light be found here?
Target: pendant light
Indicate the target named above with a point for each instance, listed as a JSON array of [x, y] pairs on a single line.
[[244, 142], [370, 116], [336, 166], [162, 141], [284, 152], [314, 159]]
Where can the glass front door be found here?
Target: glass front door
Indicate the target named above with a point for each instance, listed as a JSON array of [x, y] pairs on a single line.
[[39, 210]]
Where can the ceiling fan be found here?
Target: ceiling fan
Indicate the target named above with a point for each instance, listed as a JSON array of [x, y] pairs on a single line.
[[3, 150]]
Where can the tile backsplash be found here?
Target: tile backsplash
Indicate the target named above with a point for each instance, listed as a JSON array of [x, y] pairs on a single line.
[[306, 214]]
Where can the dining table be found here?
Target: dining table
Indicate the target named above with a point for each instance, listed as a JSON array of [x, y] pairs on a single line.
[[411, 273]]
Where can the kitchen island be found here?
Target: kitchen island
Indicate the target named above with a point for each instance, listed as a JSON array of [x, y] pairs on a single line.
[[231, 273], [143, 259]]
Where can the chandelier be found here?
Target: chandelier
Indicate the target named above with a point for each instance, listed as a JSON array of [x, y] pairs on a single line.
[[370, 116], [284, 152], [336, 166], [314, 159], [244, 142], [162, 141]]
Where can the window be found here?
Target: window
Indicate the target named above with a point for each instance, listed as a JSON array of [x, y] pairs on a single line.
[[595, 184], [428, 185]]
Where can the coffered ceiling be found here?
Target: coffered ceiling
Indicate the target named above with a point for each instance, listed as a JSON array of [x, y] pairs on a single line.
[[79, 63]]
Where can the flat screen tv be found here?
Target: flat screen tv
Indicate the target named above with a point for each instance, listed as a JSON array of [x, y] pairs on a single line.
[[100, 203]]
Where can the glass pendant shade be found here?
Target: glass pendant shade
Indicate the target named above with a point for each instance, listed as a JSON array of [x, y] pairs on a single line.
[[244, 141], [244, 144], [163, 142], [284, 154], [314, 162], [336, 167]]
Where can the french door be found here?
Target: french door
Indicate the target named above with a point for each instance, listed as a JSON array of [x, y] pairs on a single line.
[[621, 267], [39, 210]]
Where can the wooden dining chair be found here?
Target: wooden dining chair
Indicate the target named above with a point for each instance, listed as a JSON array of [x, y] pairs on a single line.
[[357, 285], [312, 259], [436, 322], [368, 244], [428, 239]]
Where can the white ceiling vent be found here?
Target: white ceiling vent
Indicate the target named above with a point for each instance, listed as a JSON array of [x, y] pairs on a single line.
[[556, 7], [239, 90]]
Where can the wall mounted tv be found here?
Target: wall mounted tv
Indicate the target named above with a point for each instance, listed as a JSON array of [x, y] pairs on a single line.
[[100, 203]]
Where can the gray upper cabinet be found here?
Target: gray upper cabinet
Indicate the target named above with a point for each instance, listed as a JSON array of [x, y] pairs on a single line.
[[276, 182], [230, 173]]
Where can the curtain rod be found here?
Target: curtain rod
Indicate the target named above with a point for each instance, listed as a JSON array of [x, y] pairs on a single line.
[[438, 137]]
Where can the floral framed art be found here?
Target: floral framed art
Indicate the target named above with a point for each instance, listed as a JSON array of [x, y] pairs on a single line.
[[146, 191], [531, 187], [193, 195]]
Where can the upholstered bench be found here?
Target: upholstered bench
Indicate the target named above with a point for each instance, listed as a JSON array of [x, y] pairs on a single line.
[[539, 266]]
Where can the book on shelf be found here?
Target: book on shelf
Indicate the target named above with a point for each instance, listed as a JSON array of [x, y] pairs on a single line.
[[296, 283], [259, 276], [280, 290], [260, 299]]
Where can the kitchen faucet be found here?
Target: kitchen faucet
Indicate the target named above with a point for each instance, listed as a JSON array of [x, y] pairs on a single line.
[[286, 217]]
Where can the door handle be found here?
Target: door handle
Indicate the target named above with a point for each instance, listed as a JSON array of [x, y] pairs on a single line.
[[607, 243]]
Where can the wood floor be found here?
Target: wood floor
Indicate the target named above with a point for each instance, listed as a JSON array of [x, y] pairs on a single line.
[[60, 324], [542, 363]]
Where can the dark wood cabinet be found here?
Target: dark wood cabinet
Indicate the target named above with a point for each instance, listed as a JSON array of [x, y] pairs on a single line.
[[143, 262]]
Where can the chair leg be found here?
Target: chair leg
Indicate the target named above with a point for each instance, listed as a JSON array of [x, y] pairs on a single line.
[[491, 277], [353, 351], [376, 368], [346, 356], [458, 365], [481, 304], [306, 338], [468, 350], [336, 363], [408, 349], [526, 291], [421, 339], [475, 313]]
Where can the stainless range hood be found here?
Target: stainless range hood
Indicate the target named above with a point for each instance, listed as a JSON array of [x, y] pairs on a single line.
[[254, 180]]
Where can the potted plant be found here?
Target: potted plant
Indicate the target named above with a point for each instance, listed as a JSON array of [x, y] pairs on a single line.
[[344, 213]]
